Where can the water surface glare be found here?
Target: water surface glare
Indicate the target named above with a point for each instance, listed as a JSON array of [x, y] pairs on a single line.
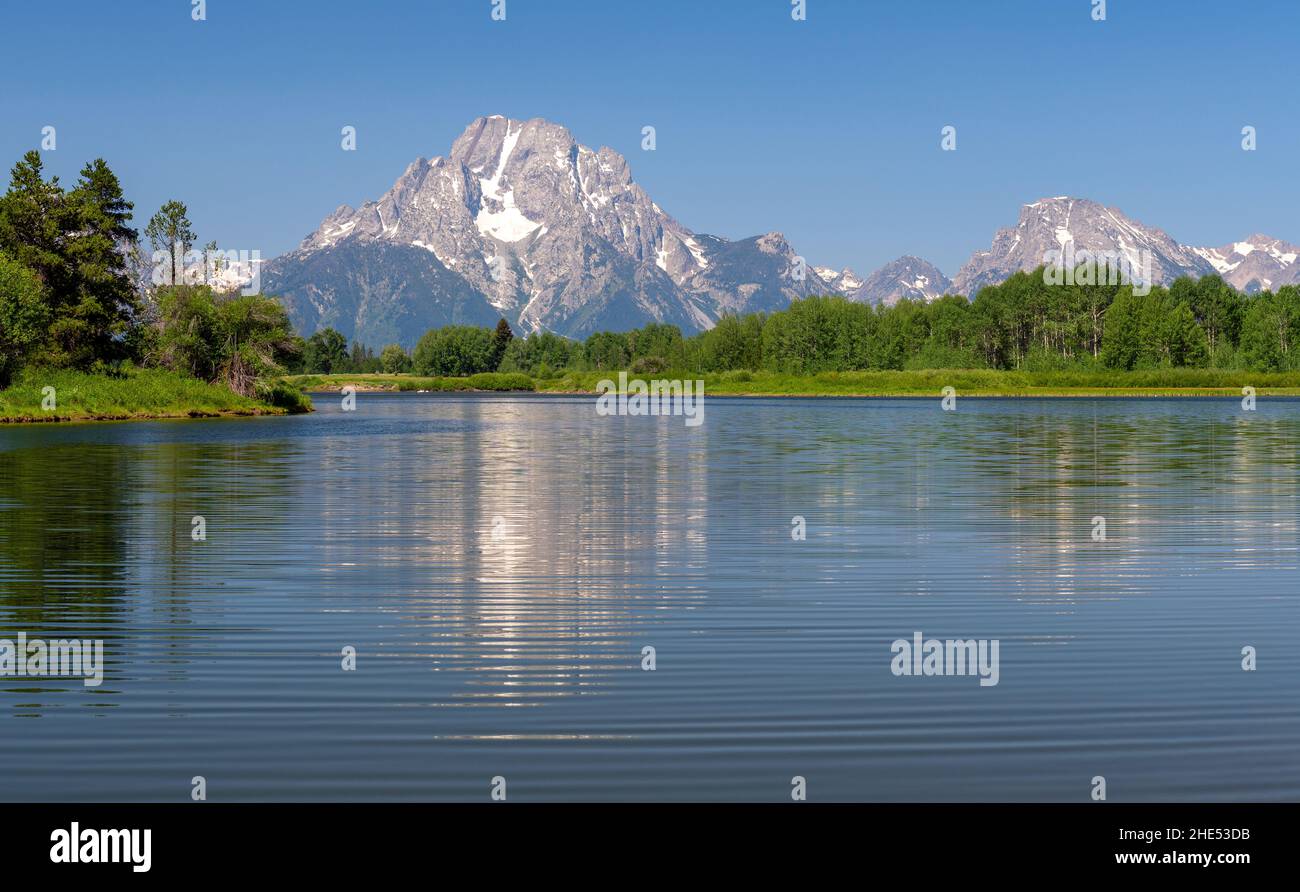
[[499, 562]]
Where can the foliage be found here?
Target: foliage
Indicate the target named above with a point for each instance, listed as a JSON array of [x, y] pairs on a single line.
[[1270, 333], [23, 315], [537, 350], [1092, 321], [70, 298], [76, 243], [239, 340], [394, 360], [256, 340], [171, 233], [454, 350], [187, 336], [283, 395], [501, 339], [1074, 381], [326, 351]]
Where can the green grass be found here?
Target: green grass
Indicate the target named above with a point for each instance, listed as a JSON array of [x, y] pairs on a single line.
[[137, 393], [929, 382], [967, 382]]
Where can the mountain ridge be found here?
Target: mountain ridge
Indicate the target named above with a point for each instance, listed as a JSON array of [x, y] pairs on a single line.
[[519, 220]]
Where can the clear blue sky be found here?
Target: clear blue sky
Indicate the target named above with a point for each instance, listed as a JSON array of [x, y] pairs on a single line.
[[827, 129]]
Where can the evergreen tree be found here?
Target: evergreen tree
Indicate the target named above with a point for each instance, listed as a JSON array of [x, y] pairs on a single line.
[[501, 339], [104, 307], [77, 243], [35, 225]]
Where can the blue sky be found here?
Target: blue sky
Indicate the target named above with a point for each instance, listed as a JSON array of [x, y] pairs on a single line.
[[827, 130]]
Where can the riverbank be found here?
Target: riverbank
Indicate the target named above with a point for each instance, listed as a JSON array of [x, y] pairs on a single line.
[[138, 394], [1172, 382], [378, 383]]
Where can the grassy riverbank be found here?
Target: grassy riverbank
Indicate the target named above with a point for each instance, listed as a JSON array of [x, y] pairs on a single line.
[[967, 382], [488, 381], [136, 394]]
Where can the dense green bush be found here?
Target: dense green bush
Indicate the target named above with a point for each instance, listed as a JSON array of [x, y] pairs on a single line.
[[539, 349], [454, 350], [239, 340]]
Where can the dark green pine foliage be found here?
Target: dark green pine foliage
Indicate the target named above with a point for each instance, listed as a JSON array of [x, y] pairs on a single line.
[[96, 324], [501, 339], [77, 243]]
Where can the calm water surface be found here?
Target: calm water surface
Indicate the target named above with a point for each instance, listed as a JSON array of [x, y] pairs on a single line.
[[499, 562]]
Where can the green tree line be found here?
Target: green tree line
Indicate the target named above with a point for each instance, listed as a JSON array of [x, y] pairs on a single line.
[[1025, 323]]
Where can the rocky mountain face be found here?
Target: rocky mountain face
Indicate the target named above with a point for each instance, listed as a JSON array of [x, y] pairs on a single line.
[[1069, 230], [1259, 263], [909, 277], [519, 220]]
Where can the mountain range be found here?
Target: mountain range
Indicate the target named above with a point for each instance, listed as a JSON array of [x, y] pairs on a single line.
[[521, 221]]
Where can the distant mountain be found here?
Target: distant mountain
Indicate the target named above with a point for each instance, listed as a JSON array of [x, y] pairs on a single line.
[[909, 277], [1257, 264], [845, 281], [1069, 226], [521, 221]]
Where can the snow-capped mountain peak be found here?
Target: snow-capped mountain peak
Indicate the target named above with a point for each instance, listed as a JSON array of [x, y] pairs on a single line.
[[525, 222]]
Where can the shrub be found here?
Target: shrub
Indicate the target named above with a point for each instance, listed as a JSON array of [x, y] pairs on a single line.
[[283, 395]]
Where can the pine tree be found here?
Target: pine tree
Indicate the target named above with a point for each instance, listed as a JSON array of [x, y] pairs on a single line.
[[104, 307], [77, 244], [34, 224], [501, 339]]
